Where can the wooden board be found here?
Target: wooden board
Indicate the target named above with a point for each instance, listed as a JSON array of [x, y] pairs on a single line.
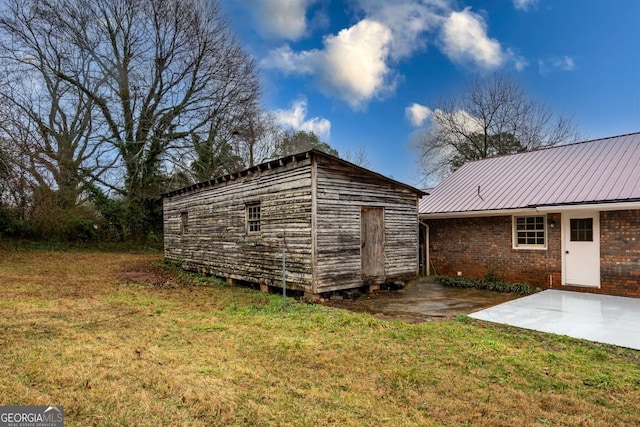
[[372, 242]]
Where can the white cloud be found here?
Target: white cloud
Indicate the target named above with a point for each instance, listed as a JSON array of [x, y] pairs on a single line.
[[408, 21], [354, 62], [296, 118], [417, 114], [461, 119], [280, 19], [465, 40], [358, 63], [290, 62], [519, 62], [352, 65], [566, 63], [524, 4], [562, 63]]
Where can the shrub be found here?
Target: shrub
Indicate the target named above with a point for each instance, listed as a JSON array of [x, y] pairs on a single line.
[[13, 225], [492, 275], [492, 285], [80, 229]]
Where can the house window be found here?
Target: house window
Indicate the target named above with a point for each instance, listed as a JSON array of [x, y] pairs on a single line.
[[253, 218], [184, 222], [581, 229], [529, 232]]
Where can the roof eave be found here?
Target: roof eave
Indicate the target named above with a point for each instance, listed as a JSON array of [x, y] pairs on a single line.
[[470, 214], [603, 205], [612, 205], [281, 162]]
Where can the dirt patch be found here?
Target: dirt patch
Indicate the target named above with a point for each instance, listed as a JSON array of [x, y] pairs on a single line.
[[146, 274], [368, 304]]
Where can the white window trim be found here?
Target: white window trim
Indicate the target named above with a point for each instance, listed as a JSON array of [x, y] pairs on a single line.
[[514, 235]]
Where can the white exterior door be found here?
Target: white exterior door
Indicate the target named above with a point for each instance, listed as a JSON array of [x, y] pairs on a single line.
[[581, 249]]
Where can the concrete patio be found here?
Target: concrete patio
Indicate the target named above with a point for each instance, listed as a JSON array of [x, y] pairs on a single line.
[[424, 300], [600, 318]]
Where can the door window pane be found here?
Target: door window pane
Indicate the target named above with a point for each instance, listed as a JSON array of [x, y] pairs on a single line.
[[581, 229]]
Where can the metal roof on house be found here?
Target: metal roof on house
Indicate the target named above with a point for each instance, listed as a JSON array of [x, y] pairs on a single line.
[[598, 171]]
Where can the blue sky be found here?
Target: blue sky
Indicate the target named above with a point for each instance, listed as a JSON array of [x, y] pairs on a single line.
[[366, 73]]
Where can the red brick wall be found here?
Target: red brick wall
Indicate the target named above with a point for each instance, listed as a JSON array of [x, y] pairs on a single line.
[[620, 252], [476, 246]]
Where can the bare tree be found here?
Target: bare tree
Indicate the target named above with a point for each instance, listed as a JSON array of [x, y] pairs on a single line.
[[214, 155], [493, 116], [159, 75], [357, 156], [47, 121], [8, 171], [16, 183], [257, 138], [223, 149]]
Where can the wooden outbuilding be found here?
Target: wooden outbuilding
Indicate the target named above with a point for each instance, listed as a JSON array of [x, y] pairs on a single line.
[[341, 226]]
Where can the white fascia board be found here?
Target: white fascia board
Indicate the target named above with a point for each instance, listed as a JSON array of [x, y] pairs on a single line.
[[471, 214], [621, 206], [533, 210]]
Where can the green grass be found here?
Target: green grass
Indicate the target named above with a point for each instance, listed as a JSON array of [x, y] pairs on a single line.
[[122, 339]]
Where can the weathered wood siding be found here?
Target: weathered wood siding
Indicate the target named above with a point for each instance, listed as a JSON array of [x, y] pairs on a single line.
[[217, 240], [372, 241], [342, 192]]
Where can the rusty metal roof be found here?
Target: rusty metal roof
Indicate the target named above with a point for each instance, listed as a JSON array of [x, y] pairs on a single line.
[[283, 161], [597, 171]]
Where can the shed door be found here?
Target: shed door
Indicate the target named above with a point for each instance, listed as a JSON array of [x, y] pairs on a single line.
[[581, 238], [372, 242]]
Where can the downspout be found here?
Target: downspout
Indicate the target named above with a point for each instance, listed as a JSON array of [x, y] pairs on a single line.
[[426, 246]]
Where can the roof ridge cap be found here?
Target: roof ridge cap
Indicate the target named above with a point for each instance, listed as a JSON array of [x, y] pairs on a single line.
[[552, 147]]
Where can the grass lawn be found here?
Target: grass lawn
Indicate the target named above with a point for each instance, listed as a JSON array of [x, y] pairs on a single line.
[[119, 340]]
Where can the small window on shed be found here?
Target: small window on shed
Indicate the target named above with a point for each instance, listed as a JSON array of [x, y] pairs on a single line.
[[253, 217], [184, 222], [529, 232]]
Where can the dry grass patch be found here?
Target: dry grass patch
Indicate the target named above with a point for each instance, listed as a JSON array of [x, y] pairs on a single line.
[[120, 340]]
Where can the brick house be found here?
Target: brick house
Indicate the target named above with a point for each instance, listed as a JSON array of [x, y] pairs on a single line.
[[566, 217]]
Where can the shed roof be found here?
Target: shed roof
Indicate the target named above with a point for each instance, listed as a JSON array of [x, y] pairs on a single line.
[[272, 164], [603, 170]]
